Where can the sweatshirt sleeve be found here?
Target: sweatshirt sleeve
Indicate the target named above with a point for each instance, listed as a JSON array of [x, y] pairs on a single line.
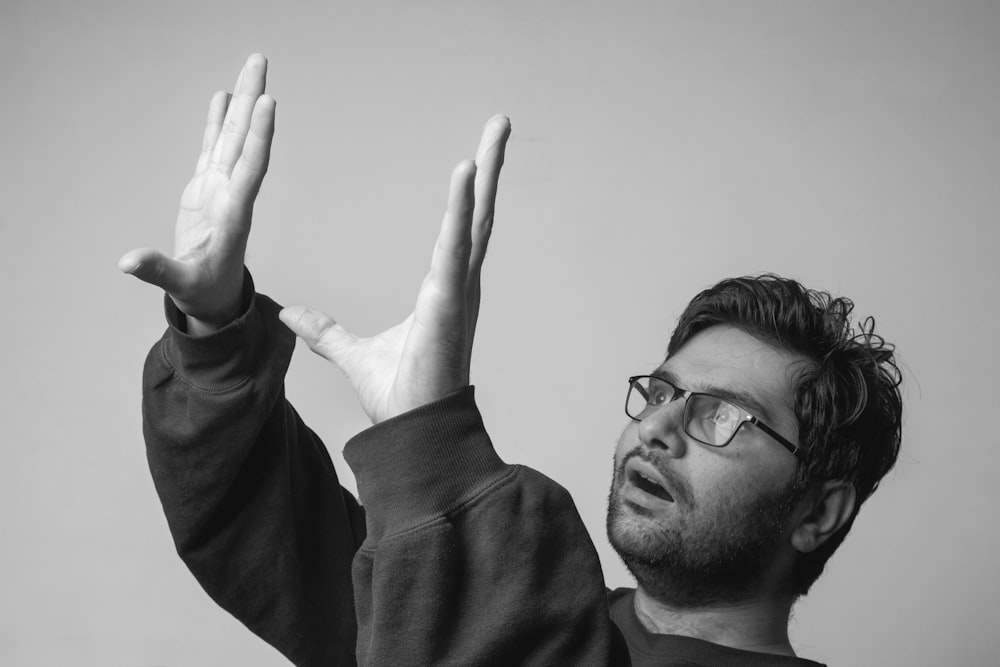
[[249, 492], [468, 560]]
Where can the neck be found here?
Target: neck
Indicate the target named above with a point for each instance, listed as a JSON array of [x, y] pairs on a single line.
[[752, 625]]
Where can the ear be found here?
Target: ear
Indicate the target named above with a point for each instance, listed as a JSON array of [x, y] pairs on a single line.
[[826, 510]]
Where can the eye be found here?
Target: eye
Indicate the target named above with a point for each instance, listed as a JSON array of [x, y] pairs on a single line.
[[659, 392], [724, 418], [713, 420]]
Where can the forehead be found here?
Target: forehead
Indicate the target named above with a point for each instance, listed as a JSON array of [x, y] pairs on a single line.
[[723, 359]]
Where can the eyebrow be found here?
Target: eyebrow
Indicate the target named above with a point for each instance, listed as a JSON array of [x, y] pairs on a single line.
[[740, 398]]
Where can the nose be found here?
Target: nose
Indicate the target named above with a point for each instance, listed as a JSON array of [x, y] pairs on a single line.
[[663, 429]]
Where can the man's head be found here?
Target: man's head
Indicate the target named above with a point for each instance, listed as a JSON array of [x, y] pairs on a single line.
[[751, 517]]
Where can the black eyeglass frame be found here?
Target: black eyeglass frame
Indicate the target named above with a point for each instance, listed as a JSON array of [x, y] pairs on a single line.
[[686, 394]]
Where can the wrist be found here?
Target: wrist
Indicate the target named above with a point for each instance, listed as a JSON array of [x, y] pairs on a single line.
[[203, 325], [197, 327], [206, 320]]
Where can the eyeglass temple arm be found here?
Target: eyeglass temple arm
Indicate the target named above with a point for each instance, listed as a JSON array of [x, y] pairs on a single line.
[[794, 449]]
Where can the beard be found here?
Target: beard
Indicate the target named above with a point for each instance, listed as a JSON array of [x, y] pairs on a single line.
[[721, 559]]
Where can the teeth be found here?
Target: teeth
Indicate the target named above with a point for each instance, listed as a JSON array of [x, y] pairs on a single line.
[[649, 479]]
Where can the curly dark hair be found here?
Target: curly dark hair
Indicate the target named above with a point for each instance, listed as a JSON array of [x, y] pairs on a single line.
[[847, 400]]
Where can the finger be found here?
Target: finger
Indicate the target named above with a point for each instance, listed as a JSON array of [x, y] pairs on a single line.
[[155, 268], [489, 160], [252, 165], [321, 333], [213, 127], [472, 297], [450, 261], [237, 123]]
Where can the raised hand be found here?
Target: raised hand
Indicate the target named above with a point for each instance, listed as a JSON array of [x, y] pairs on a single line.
[[427, 356], [205, 275]]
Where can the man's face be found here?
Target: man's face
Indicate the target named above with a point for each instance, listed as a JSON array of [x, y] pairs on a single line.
[[698, 524]]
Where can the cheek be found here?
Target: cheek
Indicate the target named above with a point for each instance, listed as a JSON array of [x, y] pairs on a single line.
[[720, 478], [627, 441], [729, 486]]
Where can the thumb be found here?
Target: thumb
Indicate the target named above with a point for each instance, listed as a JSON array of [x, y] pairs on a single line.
[[321, 333], [155, 268]]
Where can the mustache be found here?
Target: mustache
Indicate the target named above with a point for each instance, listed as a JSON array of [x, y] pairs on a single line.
[[678, 487]]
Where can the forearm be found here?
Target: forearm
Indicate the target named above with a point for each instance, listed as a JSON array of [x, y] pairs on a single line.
[[249, 492], [469, 560]]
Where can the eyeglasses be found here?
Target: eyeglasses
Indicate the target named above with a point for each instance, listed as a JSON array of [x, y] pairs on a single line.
[[708, 419]]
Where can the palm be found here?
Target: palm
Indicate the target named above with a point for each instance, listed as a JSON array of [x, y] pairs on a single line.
[[378, 374], [211, 232], [206, 213], [407, 361]]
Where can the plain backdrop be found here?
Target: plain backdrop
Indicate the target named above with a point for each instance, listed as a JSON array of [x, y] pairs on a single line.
[[657, 147]]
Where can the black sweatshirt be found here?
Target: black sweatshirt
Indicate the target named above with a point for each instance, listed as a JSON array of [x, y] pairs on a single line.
[[456, 558]]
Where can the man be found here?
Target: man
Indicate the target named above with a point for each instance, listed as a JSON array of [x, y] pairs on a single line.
[[749, 451]]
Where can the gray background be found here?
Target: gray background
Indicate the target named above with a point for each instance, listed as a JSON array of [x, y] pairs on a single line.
[[657, 148]]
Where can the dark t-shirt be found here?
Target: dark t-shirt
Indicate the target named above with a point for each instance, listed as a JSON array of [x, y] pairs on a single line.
[[648, 649]]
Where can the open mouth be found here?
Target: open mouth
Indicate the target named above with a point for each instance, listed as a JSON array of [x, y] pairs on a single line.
[[648, 483]]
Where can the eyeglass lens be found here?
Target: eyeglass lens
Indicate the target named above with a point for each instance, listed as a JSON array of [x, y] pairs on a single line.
[[707, 419]]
